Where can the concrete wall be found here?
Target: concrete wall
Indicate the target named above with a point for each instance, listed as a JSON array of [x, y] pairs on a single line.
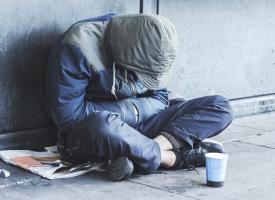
[[226, 47]]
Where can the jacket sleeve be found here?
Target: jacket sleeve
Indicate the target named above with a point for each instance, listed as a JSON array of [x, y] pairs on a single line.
[[67, 78], [147, 105]]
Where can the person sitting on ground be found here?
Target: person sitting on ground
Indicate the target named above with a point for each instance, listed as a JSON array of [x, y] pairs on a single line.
[[106, 91]]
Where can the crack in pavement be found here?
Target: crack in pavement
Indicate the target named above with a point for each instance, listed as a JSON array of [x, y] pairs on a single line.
[[246, 137], [258, 145], [247, 126]]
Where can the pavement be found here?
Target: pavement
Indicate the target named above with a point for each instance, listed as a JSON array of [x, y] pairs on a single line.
[[249, 141]]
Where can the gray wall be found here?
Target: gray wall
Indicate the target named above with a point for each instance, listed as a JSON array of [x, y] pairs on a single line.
[[226, 47]]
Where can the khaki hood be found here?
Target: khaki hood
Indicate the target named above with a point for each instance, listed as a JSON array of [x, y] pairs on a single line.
[[145, 44]]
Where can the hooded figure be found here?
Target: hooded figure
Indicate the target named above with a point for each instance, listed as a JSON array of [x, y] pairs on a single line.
[[111, 58], [106, 92], [144, 44]]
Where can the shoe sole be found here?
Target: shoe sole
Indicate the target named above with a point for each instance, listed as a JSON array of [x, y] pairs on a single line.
[[216, 147], [120, 168]]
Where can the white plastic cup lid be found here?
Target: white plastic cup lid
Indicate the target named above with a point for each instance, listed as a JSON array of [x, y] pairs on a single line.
[[218, 156]]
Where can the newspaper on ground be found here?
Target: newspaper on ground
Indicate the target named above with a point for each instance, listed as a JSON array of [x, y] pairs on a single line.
[[48, 163]]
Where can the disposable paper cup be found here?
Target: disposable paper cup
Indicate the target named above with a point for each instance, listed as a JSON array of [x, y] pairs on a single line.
[[215, 169]]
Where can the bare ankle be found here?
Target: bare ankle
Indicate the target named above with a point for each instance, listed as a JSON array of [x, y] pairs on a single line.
[[164, 143], [168, 159]]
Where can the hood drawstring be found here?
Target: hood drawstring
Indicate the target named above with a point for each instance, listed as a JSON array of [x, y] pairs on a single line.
[[126, 75], [113, 89]]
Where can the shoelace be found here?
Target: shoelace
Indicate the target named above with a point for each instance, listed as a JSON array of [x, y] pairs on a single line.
[[189, 166]]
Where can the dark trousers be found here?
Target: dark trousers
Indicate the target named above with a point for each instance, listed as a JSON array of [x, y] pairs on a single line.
[[103, 135]]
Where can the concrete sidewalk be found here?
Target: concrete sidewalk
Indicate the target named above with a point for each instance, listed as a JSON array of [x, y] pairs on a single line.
[[250, 142]]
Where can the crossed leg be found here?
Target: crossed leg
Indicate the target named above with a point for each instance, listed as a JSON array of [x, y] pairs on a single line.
[[104, 135], [190, 122]]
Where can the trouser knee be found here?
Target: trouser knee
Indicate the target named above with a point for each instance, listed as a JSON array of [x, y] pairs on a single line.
[[94, 137], [224, 106], [103, 135], [223, 110]]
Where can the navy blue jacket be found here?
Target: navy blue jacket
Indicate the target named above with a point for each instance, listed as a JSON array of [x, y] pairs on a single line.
[[78, 84]]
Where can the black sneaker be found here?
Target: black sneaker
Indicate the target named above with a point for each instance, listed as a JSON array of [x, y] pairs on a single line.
[[195, 157], [212, 146], [120, 168]]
